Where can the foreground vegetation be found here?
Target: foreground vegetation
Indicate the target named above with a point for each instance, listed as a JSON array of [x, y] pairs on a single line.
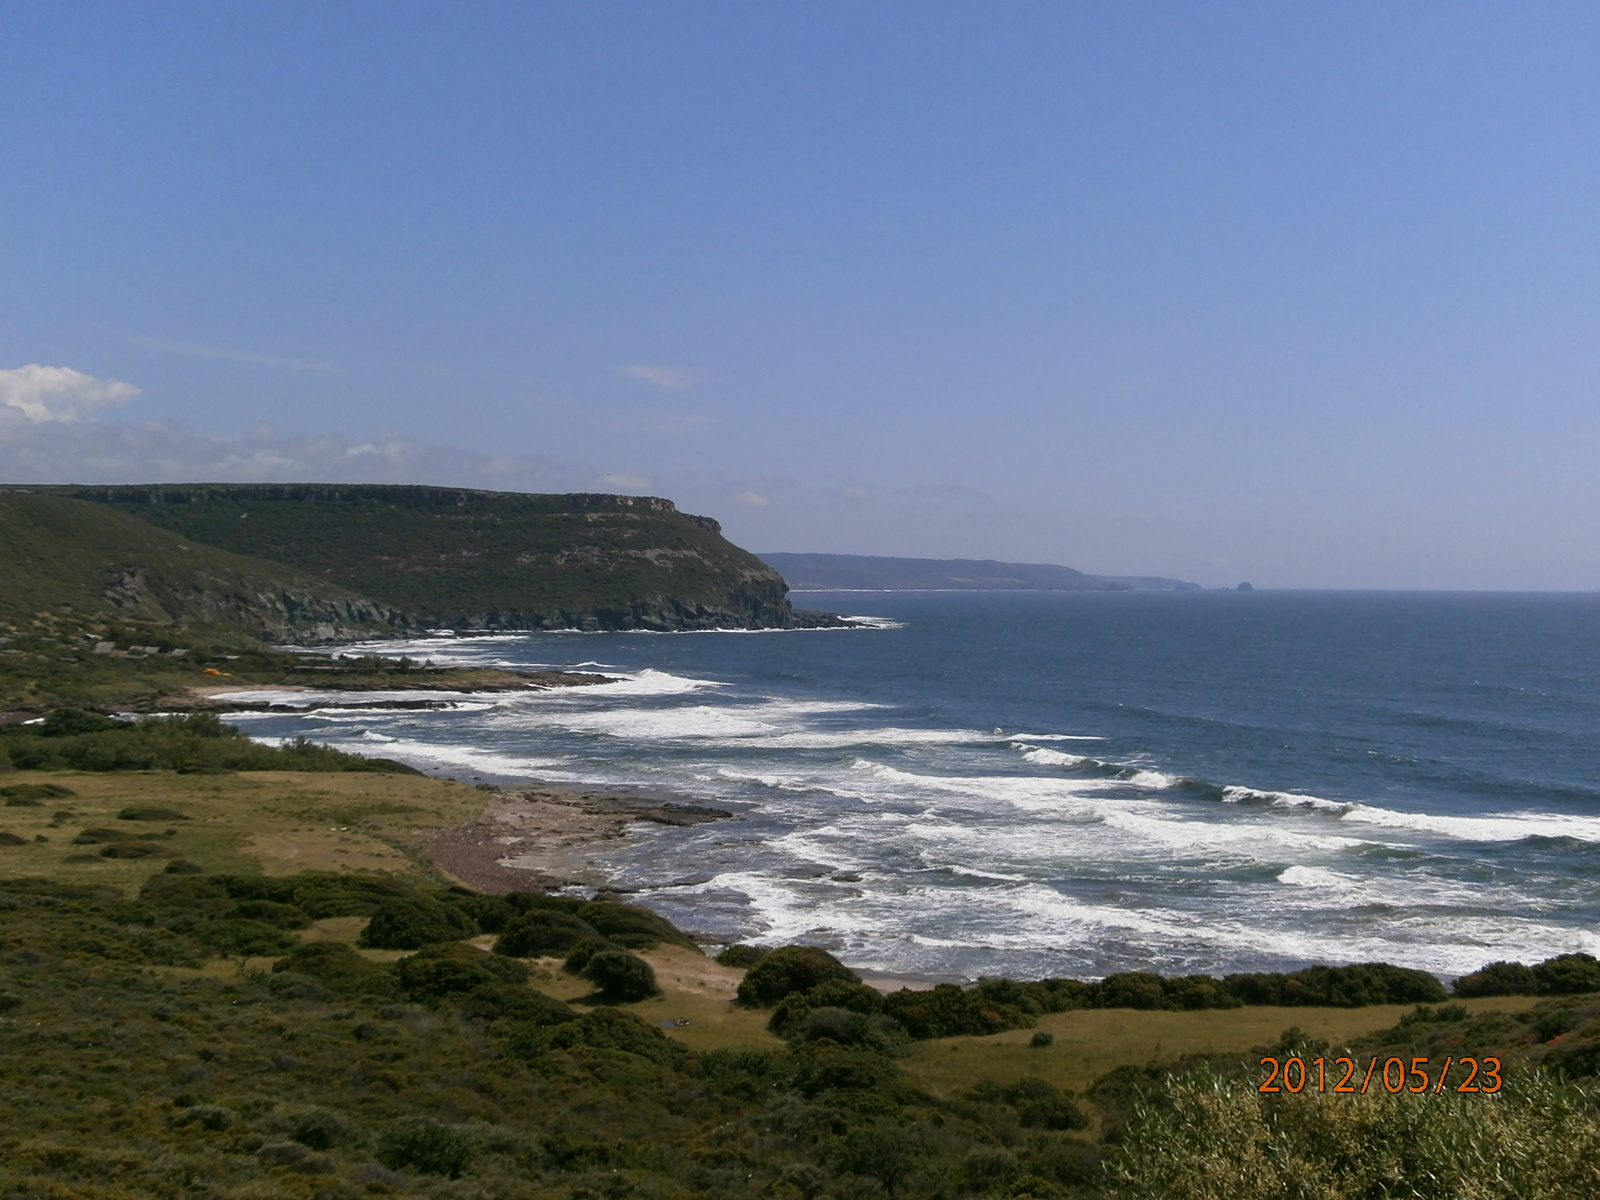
[[335, 1034]]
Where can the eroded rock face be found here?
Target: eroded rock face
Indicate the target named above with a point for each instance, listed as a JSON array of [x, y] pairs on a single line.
[[463, 559]]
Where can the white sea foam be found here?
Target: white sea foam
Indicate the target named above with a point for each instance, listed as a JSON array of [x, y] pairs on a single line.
[[1048, 758], [1316, 877], [1500, 827], [1236, 794]]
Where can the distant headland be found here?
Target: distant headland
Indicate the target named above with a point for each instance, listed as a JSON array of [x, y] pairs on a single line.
[[859, 572]]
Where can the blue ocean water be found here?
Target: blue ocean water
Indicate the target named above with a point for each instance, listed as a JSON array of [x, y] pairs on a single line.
[[1039, 784]]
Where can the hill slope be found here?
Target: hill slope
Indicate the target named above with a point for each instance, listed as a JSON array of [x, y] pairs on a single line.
[[454, 557], [55, 551], [848, 572]]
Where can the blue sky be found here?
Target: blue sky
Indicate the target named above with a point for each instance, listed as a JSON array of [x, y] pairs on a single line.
[[1301, 294]]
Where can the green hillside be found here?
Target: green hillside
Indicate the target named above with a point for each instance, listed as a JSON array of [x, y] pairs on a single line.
[[454, 557], [57, 551]]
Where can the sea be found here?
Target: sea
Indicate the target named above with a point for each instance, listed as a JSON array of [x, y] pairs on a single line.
[[1037, 784]]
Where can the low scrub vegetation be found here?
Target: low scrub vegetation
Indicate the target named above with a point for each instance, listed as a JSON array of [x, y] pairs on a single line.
[[319, 1071], [72, 739]]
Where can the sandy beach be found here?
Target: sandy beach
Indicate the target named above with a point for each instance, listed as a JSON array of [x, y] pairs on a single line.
[[535, 836]]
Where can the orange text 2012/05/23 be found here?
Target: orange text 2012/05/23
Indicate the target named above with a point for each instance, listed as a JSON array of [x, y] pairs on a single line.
[[1394, 1075]]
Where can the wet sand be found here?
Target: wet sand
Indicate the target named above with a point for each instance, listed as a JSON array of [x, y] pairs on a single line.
[[538, 837]]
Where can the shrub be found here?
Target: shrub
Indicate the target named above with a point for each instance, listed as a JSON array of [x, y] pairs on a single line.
[[617, 1029], [1498, 979], [291, 985], [741, 957], [331, 963], [1041, 1039], [1039, 1103], [883, 1152], [213, 1117], [510, 1002], [836, 993], [1218, 1139], [243, 939], [790, 969], [578, 957], [145, 813], [427, 979], [949, 1011], [1566, 974], [321, 1129], [270, 912], [1340, 987], [424, 1145], [631, 926], [412, 922], [540, 933], [871, 1031], [620, 976], [297, 1158]]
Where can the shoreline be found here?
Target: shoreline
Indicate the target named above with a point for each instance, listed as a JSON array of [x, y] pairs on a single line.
[[534, 836]]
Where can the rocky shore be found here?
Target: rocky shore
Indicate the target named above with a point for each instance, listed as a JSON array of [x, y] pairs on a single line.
[[538, 837]]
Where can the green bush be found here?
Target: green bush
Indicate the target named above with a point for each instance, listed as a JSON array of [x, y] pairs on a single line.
[[540, 933], [1498, 979], [514, 1003], [412, 922], [621, 977], [70, 739], [1353, 986], [617, 1029], [1567, 974], [871, 1031], [333, 964], [270, 912], [578, 957], [428, 978], [243, 939], [322, 1130], [741, 957], [631, 926], [790, 969], [148, 813], [424, 1145], [949, 1011], [836, 993]]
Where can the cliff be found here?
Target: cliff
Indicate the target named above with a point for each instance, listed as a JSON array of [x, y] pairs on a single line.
[[459, 558], [58, 551]]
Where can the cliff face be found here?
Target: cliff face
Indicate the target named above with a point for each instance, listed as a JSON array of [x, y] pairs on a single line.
[[458, 558], [55, 550]]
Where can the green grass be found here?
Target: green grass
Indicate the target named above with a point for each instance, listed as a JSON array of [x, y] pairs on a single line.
[[58, 551]]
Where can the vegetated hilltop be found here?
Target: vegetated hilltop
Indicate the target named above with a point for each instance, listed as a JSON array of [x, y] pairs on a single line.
[[851, 572], [57, 551], [455, 557]]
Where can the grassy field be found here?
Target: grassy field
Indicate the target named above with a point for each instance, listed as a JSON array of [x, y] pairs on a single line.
[[271, 822]]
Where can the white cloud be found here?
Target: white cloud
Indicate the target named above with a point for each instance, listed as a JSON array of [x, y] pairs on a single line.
[[60, 393], [751, 500], [115, 452], [662, 375], [227, 354]]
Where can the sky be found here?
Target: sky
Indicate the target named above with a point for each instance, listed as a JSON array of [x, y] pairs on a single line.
[[1302, 294]]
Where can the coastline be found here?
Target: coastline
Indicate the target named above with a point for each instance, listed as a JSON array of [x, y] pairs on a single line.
[[537, 836]]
